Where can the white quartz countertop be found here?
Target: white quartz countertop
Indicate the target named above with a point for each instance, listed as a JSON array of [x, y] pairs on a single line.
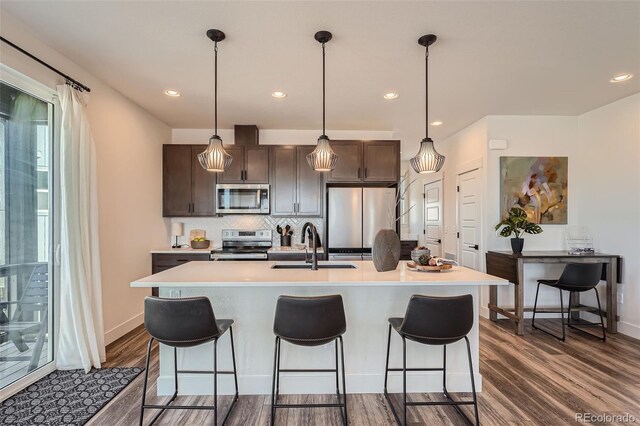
[[260, 274], [182, 250]]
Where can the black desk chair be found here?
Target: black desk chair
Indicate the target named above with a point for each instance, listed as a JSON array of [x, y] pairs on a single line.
[[309, 321], [576, 278], [433, 321], [185, 323]]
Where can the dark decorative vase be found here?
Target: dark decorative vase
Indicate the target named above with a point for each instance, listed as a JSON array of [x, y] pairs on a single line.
[[386, 250], [517, 244]]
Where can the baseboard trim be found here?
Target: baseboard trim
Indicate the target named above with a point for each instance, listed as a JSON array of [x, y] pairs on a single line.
[[318, 384], [120, 330], [629, 329]]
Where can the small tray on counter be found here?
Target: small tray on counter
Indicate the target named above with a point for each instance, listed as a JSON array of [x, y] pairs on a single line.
[[424, 268]]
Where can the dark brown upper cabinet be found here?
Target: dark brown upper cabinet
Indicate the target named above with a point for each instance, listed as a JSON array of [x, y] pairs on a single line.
[[366, 161], [250, 165], [381, 161], [296, 189], [349, 165], [187, 188]]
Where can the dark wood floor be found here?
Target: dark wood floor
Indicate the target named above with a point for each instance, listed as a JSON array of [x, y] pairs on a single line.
[[530, 380]]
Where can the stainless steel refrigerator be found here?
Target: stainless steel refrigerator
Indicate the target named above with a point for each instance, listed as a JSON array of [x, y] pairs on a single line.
[[355, 215]]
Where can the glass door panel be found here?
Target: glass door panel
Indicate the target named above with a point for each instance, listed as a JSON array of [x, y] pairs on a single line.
[[26, 268]]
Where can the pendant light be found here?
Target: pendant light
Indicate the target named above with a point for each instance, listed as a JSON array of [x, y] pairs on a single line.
[[427, 160], [215, 158], [323, 159]]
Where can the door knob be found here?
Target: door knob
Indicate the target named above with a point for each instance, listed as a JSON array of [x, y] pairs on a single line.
[[439, 241], [474, 247]]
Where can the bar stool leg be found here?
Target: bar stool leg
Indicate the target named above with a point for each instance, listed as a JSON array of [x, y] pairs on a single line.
[[344, 381], [276, 368], [233, 359], [146, 377], [175, 370], [562, 316], [404, 380], [215, 382], [386, 370], [444, 368], [473, 382], [337, 371]]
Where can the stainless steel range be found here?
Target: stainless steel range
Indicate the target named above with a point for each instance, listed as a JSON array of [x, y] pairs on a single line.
[[240, 244]]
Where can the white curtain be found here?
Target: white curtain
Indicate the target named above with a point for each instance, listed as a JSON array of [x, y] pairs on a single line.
[[81, 341]]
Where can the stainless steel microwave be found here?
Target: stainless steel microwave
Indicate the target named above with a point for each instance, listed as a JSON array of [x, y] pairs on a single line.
[[242, 199]]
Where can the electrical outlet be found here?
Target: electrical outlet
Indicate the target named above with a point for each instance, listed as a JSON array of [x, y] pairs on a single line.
[[174, 294], [620, 298]]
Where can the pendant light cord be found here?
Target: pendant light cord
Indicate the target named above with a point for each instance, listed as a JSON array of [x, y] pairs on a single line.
[[323, 91], [426, 92], [215, 87]]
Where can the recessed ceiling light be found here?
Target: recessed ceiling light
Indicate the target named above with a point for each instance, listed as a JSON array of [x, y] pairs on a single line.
[[278, 94], [621, 77], [172, 93], [390, 95], [436, 123]]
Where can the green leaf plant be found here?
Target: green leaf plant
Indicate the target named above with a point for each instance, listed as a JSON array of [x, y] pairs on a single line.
[[517, 224]]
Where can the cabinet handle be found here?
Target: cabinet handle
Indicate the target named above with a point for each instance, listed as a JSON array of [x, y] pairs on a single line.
[[294, 207], [365, 172], [474, 247], [245, 175], [358, 172]]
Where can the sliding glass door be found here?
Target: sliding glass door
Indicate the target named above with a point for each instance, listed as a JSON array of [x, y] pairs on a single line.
[[26, 234]]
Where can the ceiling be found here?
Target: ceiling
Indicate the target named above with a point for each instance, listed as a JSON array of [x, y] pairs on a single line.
[[504, 58]]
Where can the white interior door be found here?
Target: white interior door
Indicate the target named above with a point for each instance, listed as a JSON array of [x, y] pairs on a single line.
[[469, 234], [433, 217]]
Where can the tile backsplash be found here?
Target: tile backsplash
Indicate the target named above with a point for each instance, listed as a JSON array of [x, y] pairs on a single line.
[[214, 226]]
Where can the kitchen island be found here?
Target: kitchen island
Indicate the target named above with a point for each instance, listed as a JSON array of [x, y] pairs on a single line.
[[247, 293]]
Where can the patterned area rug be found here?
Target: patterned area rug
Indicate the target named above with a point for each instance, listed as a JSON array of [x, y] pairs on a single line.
[[65, 397]]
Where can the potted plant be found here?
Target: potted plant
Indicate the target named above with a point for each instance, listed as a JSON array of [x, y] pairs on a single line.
[[516, 224]]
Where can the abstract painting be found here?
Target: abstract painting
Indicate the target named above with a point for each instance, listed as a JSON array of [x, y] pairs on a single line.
[[536, 184]]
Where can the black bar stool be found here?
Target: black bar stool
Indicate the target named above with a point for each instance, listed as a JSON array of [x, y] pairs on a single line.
[[575, 278], [184, 323], [309, 321], [433, 321]]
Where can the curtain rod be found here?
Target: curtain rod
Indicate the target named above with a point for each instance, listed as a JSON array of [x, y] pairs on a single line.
[[75, 83]]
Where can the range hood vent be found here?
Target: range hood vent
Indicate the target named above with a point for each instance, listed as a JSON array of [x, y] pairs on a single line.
[[246, 135]]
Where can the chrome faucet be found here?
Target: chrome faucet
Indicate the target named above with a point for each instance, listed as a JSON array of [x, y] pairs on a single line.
[[314, 257]]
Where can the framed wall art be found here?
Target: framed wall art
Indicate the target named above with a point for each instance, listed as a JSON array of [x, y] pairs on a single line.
[[536, 184]]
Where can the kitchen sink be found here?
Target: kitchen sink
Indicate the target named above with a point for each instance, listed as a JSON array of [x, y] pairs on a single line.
[[308, 266]]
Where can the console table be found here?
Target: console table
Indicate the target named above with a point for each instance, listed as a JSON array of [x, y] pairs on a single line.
[[510, 266]]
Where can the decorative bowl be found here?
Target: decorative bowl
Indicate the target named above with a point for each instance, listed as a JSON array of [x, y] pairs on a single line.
[[415, 254], [200, 244], [414, 266]]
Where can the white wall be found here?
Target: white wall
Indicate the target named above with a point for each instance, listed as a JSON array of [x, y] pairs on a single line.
[[463, 151], [607, 171], [129, 158], [531, 136]]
